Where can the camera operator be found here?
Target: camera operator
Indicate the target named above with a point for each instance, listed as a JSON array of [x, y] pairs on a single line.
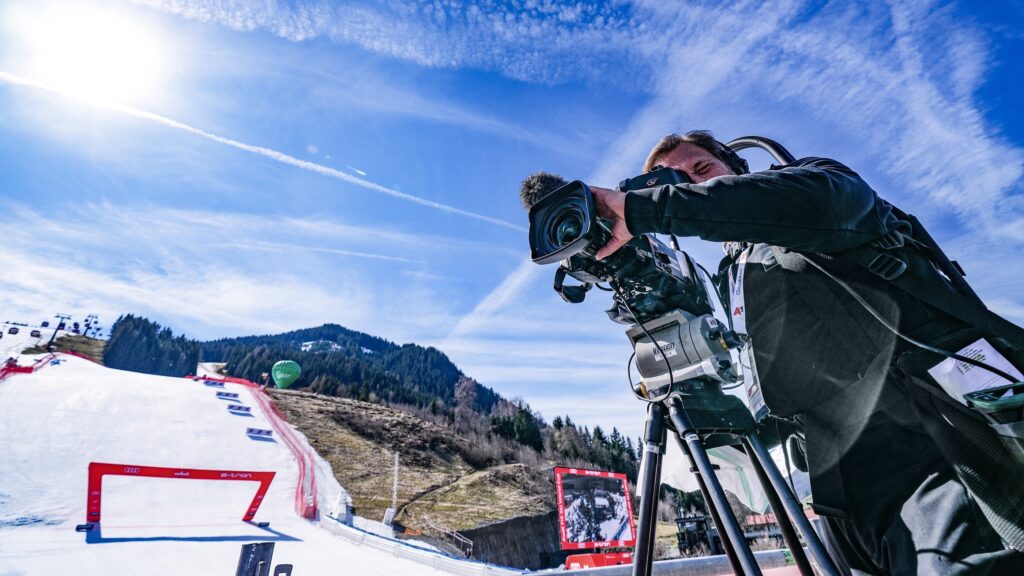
[[880, 475]]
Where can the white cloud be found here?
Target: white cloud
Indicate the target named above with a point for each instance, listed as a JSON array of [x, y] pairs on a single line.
[[881, 73], [545, 41], [271, 154], [890, 85], [221, 274], [872, 79]]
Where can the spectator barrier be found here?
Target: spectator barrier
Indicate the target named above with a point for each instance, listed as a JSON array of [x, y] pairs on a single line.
[[399, 549]]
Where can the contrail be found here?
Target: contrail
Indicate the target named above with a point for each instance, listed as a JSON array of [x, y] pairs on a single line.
[[268, 153], [259, 245]]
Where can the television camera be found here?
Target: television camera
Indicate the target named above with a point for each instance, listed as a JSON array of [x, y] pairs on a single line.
[[682, 353]]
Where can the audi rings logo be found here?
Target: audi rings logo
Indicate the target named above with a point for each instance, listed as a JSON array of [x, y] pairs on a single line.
[[132, 469], [652, 182]]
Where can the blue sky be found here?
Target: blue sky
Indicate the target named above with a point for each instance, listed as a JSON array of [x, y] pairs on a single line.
[[230, 167]]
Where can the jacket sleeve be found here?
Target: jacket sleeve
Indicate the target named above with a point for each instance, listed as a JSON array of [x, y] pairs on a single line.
[[813, 204]]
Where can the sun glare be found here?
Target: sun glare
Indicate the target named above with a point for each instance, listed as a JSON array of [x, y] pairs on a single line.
[[93, 53]]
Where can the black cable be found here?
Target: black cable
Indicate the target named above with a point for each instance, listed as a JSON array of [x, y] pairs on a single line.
[[629, 375], [896, 331], [622, 298]]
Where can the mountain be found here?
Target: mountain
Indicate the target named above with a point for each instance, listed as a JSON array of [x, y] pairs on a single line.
[[420, 380], [470, 458]]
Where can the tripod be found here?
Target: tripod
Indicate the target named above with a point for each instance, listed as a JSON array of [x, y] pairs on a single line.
[[711, 419]]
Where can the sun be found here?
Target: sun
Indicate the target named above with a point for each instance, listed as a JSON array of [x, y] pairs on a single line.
[[93, 53]]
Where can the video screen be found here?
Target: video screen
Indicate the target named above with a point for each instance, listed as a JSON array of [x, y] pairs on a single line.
[[594, 509]]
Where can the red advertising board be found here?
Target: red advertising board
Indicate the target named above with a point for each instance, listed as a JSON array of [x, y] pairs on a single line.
[[594, 509], [581, 561]]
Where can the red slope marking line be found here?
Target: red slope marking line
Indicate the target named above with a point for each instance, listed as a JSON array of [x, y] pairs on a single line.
[[305, 490], [97, 470]]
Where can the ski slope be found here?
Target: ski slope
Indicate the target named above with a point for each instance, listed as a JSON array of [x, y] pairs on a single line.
[[71, 412]]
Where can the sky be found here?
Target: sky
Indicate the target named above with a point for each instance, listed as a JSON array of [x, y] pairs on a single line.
[[232, 168]]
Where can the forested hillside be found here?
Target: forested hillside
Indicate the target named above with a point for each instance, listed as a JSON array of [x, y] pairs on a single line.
[[340, 362], [140, 345]]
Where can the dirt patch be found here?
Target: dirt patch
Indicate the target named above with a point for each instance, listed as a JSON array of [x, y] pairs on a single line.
[[359, 440], [91, 348], [485, 497]]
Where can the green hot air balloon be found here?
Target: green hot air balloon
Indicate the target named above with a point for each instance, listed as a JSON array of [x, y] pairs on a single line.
[[285, 372]]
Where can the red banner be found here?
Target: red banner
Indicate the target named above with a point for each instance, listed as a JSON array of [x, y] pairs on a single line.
[[97, 470], [597, 560]]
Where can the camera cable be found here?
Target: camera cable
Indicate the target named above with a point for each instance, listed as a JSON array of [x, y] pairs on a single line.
[[664, 357], [860, 300]]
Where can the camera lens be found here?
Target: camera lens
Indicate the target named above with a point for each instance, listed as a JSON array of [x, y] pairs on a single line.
[[562, 223], [568, 227]]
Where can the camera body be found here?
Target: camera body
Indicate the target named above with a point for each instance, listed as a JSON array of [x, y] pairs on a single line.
[[651, 277]]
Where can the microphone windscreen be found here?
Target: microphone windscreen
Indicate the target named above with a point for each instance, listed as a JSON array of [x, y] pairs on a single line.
[[538, 185]]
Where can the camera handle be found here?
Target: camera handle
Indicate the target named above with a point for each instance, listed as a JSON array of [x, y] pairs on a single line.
[[785, 505], [571, 294]]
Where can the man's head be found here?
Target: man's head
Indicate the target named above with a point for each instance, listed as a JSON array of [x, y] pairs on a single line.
[[698, 154]]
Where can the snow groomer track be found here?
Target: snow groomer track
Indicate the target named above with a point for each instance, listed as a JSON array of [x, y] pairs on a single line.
[[162, 439]]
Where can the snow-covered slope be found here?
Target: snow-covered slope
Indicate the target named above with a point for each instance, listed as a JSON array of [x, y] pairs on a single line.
[[71, 412], [12, 344]]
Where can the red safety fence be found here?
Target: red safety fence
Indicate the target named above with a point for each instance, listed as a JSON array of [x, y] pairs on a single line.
[[228, 379], [78, 355], [9, 369], [97, 470], [305, 490]]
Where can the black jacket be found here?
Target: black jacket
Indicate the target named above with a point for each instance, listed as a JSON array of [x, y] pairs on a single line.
[[819, 355], [813, 204], [875, 436]]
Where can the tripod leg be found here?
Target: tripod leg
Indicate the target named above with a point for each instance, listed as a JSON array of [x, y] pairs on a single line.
[[734, 561], [649, 485], [785, 525], [792, 507], [737, 540]]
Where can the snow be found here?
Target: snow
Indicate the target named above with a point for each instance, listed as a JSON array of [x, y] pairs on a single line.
[[210, 369], [72, 412], [319, 346]]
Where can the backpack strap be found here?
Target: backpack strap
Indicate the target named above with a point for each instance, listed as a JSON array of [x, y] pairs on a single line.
[[878, 258]]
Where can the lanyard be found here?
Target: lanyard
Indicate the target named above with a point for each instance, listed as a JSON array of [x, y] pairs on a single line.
[[738, 314], [737, 309]]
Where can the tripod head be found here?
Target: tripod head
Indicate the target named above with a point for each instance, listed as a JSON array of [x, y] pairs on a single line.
[[686, 356]]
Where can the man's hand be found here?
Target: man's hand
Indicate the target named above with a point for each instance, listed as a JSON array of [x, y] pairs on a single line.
[[611, 204]]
